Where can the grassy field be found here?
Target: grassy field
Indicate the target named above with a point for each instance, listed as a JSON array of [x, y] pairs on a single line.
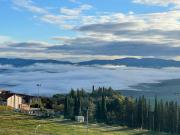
[[19, 124]]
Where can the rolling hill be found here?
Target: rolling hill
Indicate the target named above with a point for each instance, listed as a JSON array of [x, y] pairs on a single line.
[[130, 62]]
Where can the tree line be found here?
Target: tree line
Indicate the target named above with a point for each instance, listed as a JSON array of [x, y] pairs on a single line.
[[109, 106]]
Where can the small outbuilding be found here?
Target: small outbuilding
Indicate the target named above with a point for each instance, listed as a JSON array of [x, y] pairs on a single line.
[[79, 119]]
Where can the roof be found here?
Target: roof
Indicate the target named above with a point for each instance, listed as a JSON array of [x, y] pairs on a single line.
[[1, 90], [7, 93], [22, 95]]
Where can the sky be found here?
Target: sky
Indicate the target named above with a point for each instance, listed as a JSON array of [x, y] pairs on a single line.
[[74, 29], [82, 30]]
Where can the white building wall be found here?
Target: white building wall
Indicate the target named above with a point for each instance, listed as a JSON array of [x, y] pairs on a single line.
[[14, 101], [79, 119]]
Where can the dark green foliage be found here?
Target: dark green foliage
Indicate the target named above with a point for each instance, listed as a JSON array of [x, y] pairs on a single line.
[[66, 107], [47, 103], [103, 108], [106, 105], [57, 103]]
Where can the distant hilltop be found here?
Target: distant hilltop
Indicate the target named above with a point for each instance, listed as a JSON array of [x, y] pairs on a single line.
[[129, 62]]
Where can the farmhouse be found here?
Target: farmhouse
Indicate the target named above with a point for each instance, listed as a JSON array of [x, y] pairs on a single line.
[[18, 101], [21, 101], [25, 103]]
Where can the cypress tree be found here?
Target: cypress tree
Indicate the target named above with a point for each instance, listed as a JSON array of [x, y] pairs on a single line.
[[103, 108], [66, 107], [139, 113], [161, 114], [98, 111], [149, 116], [156, 115], [79, 112], [75, 106], [123, 110]]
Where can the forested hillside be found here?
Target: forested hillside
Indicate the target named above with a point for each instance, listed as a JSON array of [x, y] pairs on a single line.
[[107, 105]]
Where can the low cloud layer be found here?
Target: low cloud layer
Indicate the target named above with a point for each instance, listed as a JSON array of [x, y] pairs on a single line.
[[61, 78]]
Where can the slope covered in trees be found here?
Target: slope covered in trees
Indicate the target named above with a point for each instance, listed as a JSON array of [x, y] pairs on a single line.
[[106, 105]]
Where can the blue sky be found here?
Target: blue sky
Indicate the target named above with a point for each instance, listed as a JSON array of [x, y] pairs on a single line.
[[82, 30], [22, 25], [48, 24]]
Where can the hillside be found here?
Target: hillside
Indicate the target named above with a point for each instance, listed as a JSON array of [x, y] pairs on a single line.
[[130, 62], [17, 62], [18, 124], [134, 62]]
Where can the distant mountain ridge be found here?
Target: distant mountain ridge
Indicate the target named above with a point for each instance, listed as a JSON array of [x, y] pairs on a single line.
[[134, 62], [130, 62], [18, 62]]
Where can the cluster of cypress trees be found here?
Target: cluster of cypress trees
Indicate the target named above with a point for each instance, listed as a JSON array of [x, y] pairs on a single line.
[[107, 105]]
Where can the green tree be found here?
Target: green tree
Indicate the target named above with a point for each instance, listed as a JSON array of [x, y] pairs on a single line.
[[103, 109]]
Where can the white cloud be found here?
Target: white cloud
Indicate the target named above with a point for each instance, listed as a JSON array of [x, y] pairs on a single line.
[[131, 12], [70, 19], [54, 78], [60, 20], [161, 27], [66, 19], [102, 28], [165, 3], [75, 11], [5, 40], [29, 5]]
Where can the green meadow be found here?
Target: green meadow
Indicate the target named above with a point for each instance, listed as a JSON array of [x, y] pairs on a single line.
[[19, 124]]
